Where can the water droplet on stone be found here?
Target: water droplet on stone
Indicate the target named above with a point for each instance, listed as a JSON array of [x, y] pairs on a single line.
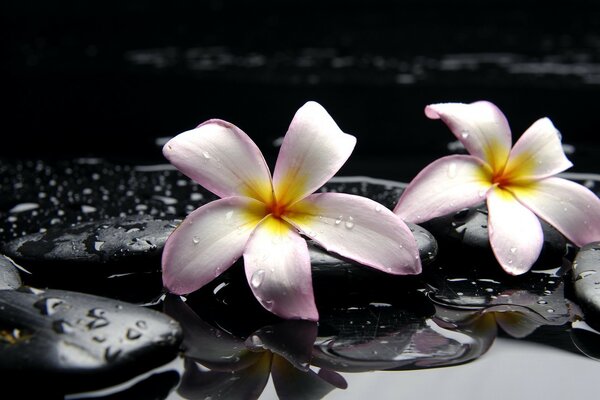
[[542, 302], [99, 338], [96, 313], [48, 306], [97, 323], [257, 278], [62, 326], [550, 310], [111, 353], [141, 324], [133, 334], [583, 274]]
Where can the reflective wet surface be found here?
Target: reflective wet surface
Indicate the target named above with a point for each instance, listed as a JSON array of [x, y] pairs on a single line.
[[95, 90]]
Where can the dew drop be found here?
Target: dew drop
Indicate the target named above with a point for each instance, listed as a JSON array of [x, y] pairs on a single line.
[[550, 310], [350, 223], [133, 334], [111, 353], [206, 155], [196, 239], [339, 219], [464, 134], [257, 278], [378, 208], [228, 215], [141, 324], [97, 323], [451, 170], [96, 313], [542, 302], [48, 306], [583, 274], [513, 250], [99, 338], [62, 326]]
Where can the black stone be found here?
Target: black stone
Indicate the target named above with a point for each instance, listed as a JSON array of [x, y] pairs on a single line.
[[467, 231], [101, 248], [79, 342], [9, 276], [586, 277]]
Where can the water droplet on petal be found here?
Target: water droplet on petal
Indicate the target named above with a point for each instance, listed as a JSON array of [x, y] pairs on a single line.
[[206, 155], [257, 278], [196, 239], [377, 208], [464, 134], [513, 250], [339, 219], [350, 223], [451, 170], [228, 215]]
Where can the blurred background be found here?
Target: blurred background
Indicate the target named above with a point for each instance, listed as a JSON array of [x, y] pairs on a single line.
[[113, 79]]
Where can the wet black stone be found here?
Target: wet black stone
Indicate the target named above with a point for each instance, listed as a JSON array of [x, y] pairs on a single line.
[[9, 276], [466, 231], [586, 277], [477, 285], [99, 248], [80, 342]]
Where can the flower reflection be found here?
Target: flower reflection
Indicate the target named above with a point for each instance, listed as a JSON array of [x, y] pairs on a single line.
[[221, 366]]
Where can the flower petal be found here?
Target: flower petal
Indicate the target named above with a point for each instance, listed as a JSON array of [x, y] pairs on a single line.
[[359, 229], [313, 150], [208, 242], [222, 158], [515, 232], [444, 186], [278, 270], [481, 127], [537, 154], [571, 208]]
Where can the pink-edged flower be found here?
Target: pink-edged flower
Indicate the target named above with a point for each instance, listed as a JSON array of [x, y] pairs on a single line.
[[263, 218], [517, 183]]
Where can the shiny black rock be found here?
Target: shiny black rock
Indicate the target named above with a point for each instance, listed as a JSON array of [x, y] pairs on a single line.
[[586, 277], [9, 276], [79, 342]]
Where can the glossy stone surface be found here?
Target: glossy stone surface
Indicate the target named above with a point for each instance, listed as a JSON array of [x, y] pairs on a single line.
[[586, 277], [78, 341], [99, 248], [9, 275], [467, 231]]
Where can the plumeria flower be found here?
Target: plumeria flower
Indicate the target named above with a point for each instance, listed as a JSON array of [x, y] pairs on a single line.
[[517, 184], [264, 219]]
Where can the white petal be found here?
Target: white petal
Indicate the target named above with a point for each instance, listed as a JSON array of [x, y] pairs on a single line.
[[515, 232], [208, 242], [444, 186], [278, 270], [537, 154], [313, 150], [571, 208], [359, 229], [222, 158], [481, 127]]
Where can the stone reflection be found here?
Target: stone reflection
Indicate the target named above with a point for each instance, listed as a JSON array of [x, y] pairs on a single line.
[[219, 365]]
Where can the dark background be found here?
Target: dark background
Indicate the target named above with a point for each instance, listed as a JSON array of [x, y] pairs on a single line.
[[106, 79]]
